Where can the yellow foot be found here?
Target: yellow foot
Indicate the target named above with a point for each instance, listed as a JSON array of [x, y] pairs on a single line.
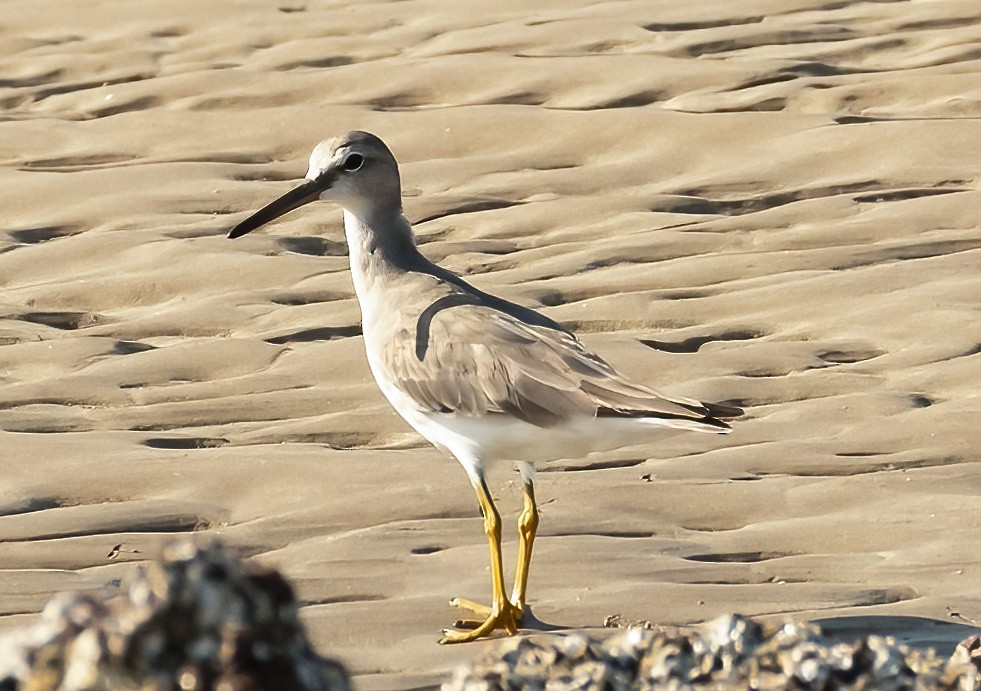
[[507, 619]]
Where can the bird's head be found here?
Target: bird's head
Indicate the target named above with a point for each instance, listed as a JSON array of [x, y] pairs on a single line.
[[355, 170]]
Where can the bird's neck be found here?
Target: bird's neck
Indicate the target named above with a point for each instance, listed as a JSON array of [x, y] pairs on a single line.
[[380, 245]]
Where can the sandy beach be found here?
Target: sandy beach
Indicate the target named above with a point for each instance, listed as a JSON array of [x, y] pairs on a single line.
[[772, 204]]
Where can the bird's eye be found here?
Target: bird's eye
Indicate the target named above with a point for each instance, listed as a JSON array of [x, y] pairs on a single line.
[[353, 162]]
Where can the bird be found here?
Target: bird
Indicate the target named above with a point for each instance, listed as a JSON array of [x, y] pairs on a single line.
[[478, 376]]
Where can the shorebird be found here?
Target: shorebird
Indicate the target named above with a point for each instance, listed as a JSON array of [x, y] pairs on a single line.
[[480, 377]]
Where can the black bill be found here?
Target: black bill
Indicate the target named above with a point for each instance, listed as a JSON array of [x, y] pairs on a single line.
[[304, 194]]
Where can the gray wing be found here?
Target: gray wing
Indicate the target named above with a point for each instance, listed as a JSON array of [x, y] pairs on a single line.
[[478, 360]]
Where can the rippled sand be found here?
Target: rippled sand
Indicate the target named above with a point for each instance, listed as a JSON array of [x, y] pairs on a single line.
[[768, 203]]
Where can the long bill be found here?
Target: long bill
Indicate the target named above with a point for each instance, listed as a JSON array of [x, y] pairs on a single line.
[[308, 192]]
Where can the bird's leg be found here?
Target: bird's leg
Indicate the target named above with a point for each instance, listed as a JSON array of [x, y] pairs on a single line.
[[527, 528], [501, 615]]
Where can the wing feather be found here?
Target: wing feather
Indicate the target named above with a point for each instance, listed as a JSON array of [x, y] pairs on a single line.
[[479, 360]]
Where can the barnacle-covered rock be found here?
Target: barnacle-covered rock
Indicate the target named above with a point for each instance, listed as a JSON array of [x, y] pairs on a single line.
[[198, 619], [726, 653]]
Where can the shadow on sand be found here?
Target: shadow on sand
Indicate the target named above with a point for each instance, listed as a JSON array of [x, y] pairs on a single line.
[[915, 632]]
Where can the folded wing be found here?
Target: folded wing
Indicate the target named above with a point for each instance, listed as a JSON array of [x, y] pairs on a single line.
[[479, 360]]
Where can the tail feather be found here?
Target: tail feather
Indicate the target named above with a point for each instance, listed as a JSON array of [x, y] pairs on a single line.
[[705, 417]]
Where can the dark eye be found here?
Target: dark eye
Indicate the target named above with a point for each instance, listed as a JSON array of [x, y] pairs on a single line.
[[353, 162]]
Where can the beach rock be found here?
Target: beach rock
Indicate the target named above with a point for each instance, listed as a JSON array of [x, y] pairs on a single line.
[[731, 652], [197, 619]]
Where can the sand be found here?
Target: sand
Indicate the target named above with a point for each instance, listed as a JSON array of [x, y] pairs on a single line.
[[769, 203]]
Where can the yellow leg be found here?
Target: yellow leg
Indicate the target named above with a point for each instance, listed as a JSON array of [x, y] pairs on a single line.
[[501, 615], [527, 528]]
